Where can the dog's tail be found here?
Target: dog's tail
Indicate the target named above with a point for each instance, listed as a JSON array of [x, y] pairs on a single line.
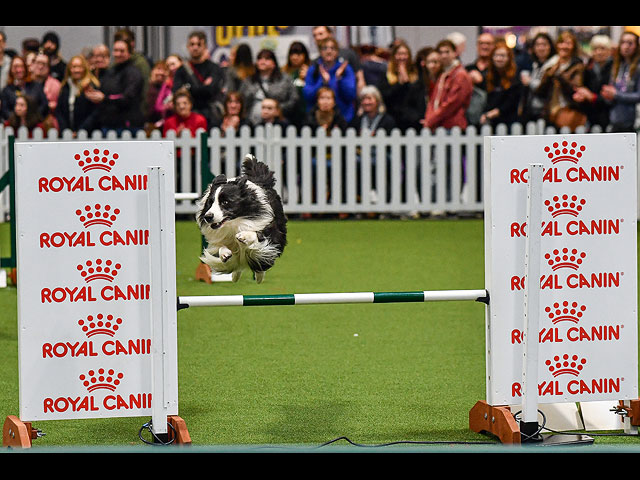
[[258, 172]]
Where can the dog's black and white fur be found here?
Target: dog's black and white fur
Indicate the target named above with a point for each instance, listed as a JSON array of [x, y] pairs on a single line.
[[242, 221]]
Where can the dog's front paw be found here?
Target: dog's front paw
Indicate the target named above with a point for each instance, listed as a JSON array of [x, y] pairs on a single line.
[[224, 253], [247, 237]]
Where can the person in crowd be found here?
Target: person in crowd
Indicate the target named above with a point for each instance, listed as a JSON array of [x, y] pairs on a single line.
[[271, 114], [372, 114], [74, 110], [121, 92], [596, 74], [268, 81], [542, 50], [51, 47], [460, 41], [374, 64], [164, 99], [346, 54], [29, 58], [330, 71], [184, 117], [25, 114], [41, 73], [430, 68], [154, 115], [477, 69], [140, 61], [234, 114], [30, 44], [402, 90], [503, 86], [325, 112], [5, 60], [623, 91], [372, 117], [19, 82], [297, 66], [452, 92], [203, 78], [563, 74], [99, 60], [241, 67]]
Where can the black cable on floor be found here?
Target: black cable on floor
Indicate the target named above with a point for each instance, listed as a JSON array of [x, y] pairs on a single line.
[[156, 440], [404, 442]]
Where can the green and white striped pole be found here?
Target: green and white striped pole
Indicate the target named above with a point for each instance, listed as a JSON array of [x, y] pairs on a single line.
[[332, 298]]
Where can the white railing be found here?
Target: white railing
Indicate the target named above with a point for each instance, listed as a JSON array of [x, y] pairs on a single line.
[[393, 173]]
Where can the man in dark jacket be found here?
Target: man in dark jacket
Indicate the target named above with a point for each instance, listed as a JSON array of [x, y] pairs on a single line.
[[202, 77], [120, 93]]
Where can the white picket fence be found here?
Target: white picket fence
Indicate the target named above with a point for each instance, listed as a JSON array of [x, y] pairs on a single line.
[[316, 172]]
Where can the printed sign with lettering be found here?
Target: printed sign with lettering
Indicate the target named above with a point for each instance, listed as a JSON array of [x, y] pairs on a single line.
[[83, 263], [588, 287]]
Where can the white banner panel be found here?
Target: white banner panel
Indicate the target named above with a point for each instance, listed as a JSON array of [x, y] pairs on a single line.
[[84, 278], [588, 279]]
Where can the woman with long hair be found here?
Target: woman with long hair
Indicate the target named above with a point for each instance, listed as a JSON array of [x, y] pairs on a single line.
[[75, 111], [233, 113], [623, 92], [503, 85], [402, 90], [297, 66], [268, 81], [25, 114], [563, 75], [240, 67]]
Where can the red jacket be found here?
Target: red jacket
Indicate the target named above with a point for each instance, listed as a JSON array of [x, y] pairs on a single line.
[[449, 100], [193, 122]]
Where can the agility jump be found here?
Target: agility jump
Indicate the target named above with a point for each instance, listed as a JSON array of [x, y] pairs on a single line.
[[333, 298]]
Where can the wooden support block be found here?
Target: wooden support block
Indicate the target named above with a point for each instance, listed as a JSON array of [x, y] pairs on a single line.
[[203, 273], [179, 429], [16, 433], [497, 420], [632, 411]]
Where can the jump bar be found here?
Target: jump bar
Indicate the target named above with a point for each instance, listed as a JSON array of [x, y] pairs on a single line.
[[332, 298]]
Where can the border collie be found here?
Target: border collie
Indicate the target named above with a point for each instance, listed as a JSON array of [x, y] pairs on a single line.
[[242, 221]]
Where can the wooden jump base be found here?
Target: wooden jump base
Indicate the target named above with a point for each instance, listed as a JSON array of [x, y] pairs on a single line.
[[332, 298]]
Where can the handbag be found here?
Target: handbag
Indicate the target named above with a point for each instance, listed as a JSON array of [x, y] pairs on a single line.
[[568, 117]]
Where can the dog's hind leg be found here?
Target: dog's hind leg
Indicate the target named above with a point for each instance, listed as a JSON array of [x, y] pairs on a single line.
[[259, 277], [235, 275]]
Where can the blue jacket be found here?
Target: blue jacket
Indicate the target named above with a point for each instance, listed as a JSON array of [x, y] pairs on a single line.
[[623, 110], [344, 88]]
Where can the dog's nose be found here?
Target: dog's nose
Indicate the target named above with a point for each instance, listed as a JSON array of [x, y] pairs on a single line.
[[208, 217]]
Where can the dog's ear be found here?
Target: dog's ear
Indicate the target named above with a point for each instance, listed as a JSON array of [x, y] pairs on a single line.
[[241, 181], [220, 179]]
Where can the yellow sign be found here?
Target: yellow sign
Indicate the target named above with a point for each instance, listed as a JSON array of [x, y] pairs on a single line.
[[224, 34]]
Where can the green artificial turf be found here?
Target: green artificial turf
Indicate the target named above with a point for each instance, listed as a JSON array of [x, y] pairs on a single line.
[[305, 375]]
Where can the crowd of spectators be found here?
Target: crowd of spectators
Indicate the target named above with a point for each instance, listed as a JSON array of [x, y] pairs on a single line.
[[367, 88]]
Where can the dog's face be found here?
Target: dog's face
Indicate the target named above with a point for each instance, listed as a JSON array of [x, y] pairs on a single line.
[[226, 200]]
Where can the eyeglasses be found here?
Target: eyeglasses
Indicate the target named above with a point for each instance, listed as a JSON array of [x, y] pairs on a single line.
[[328, 47]]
